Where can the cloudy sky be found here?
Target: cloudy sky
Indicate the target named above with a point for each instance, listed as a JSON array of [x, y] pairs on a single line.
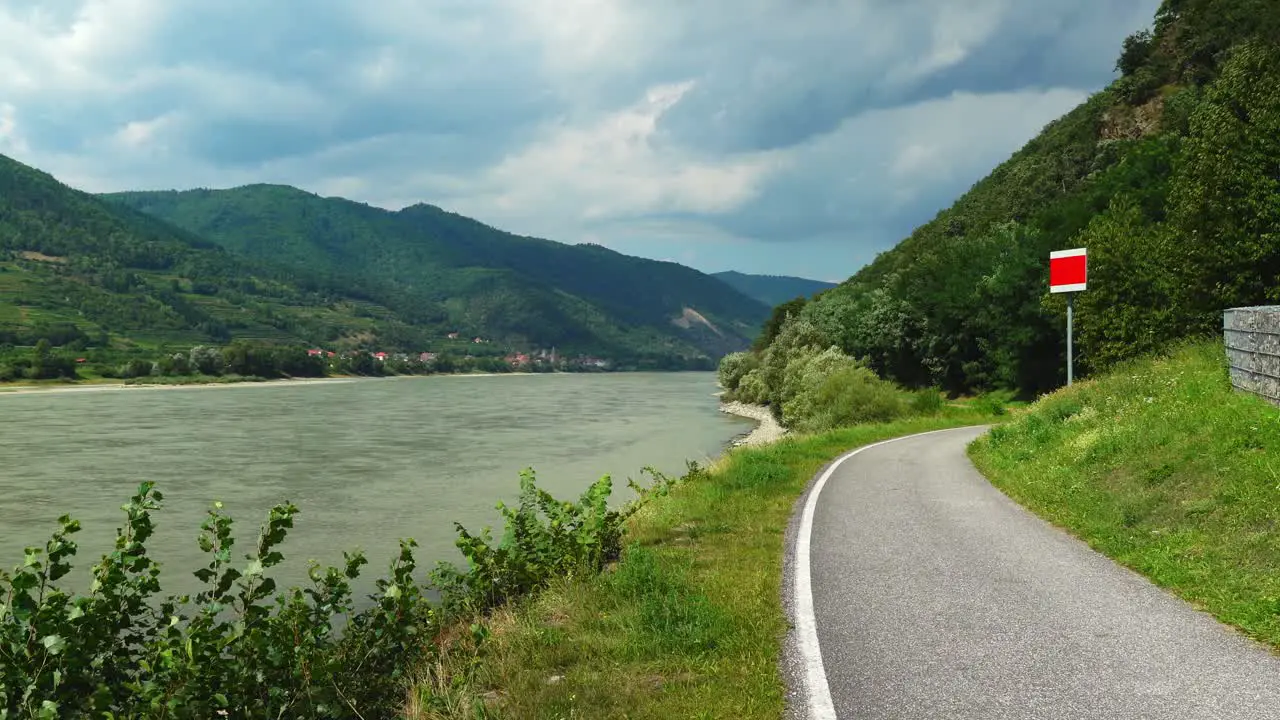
[[772, 136]]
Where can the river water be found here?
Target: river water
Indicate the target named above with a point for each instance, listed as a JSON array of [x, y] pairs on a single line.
[[366, 461]]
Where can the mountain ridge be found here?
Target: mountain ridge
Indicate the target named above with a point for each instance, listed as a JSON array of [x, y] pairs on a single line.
[[773, 290], [93, 271], [436, 266]]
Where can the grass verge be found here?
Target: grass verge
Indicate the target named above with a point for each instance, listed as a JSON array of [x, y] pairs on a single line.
[[1163, 467], [688, 623]]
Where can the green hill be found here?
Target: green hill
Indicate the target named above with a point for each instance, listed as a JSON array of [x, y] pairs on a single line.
[[78, 269], [437, 268], [1169, 177], [74, 268], [773, 290]]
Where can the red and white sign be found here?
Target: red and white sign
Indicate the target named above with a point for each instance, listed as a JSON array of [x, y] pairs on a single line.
[[1068, 270]]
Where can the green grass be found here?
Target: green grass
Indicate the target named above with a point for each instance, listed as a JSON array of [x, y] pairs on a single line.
[[689, 622], [1163, 467]]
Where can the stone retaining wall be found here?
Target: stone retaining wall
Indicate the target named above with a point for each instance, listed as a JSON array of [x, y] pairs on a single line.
[[1252, 337]]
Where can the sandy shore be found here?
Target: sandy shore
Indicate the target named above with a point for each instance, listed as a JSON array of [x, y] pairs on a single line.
[[767, 430]]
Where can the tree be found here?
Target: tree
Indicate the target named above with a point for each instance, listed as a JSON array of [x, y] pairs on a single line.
[[1225, 195], [776, 320], [1136, 52]]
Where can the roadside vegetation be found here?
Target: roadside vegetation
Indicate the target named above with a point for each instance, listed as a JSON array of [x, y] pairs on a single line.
[[243, 648], [1160, 465], [687, 623], [811, 385]]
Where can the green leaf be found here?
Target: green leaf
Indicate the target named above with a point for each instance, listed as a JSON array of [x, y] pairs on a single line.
[[55, 644]]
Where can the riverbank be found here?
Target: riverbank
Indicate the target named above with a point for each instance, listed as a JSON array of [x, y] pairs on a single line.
[[100, 385], [767, 430], [689, 622], [105, 386]]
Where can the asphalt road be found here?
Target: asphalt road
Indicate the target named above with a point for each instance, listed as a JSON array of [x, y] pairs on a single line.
[[935, 596]]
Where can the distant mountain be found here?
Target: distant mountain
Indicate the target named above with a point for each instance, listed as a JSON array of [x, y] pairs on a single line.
[[773, 290], [433, 268]]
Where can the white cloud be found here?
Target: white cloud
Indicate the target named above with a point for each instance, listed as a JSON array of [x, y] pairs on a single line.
[[10, 140], [92, 49], [145, 134], [615, 166]]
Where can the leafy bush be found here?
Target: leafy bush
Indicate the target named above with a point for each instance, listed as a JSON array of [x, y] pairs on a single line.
[[544, 537], [751, 389], [230, 650], [798, 336], [804, 375], [239, 648], [734, 366], [850, 396], [993, 403], [927, 401]]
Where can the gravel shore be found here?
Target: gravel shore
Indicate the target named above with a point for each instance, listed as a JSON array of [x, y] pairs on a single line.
[[767, 431]]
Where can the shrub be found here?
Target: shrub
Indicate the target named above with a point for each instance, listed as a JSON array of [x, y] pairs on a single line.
[[927, 401], [797, 337], [849, 396], [136, 368], [205, 360], [993, 403], [239, 648], [543, 538], [804, 374], [734, 366], [121, 651], [751, 389]]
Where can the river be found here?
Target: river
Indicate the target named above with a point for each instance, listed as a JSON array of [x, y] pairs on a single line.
[[366, 461]]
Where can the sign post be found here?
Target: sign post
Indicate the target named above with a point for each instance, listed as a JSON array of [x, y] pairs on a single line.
[[1069, 273]]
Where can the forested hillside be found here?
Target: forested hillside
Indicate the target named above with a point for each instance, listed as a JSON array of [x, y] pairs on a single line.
[[438, 268], [773, 290], [1170, 177], [83, 271], [75, 269]]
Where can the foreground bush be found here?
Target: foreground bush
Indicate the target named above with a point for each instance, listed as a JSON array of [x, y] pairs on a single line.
[[238, 648]]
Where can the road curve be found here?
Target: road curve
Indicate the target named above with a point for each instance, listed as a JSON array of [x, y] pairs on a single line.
[[935, 596]]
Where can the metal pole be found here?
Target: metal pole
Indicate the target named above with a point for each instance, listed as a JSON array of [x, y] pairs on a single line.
[[1070, 306]]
